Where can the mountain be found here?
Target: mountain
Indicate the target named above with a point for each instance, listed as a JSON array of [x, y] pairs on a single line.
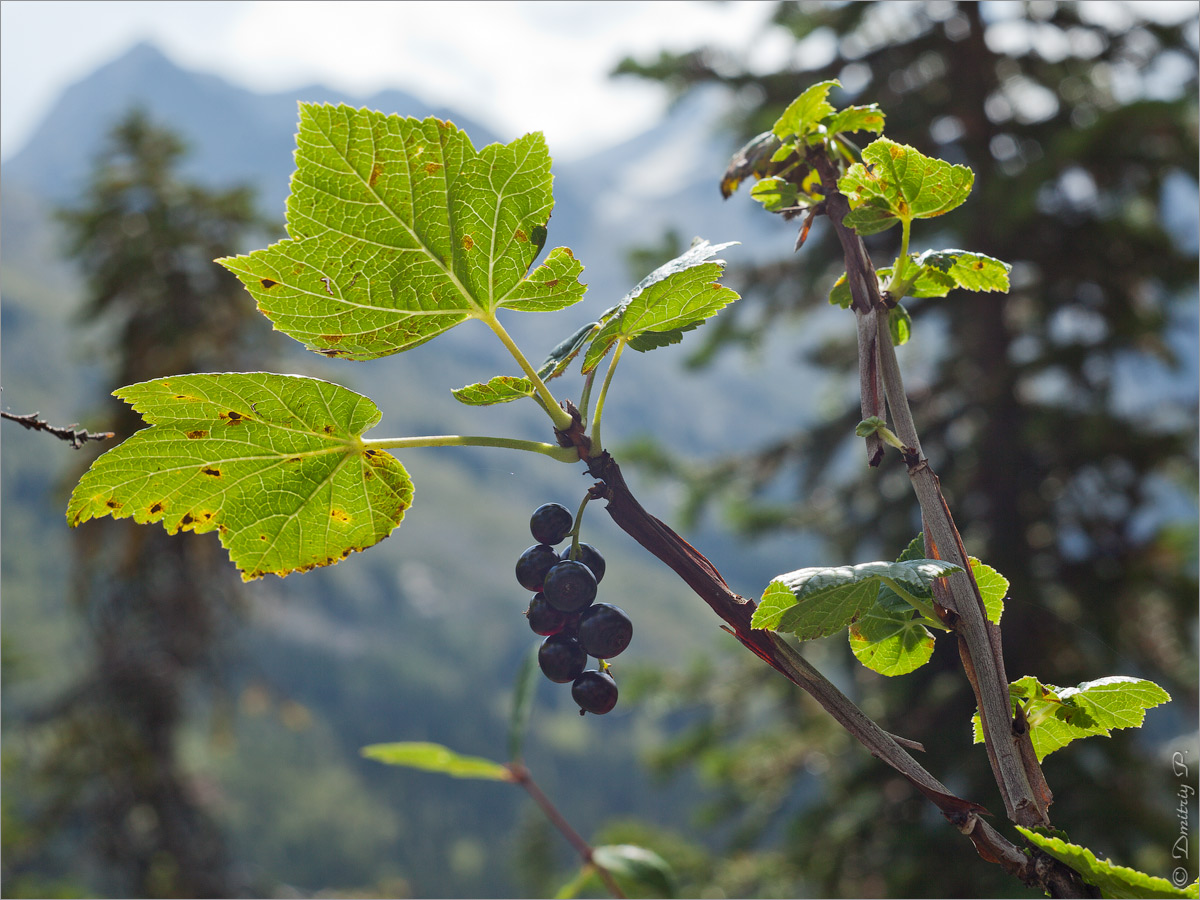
[[234, 135]]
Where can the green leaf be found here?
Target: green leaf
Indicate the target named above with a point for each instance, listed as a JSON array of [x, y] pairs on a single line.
[[895, 182], [1112, 880], [637, 870], [889, 638], [1057, 716], [899, 325], [856, 118], [499, 389], [970, 271], [522, 707], [674, 298], [557, 361], [805, 113], [437, 758], [776, 194], [754, 158], [399, 230], [822, 600], [274, 463], [993, 588]]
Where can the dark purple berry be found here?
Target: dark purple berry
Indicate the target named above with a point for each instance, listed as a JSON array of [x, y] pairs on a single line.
[[569, 586], [533, 565], [590, 557], [604, 630], [544, 619], [550, 523], [561, 658], [595, 692]]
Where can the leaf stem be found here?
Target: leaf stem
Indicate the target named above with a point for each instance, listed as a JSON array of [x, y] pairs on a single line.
[[924, 607], [901, 265], [578, 523], [583, 848], [597, 445], [562, 454], [561, 420]]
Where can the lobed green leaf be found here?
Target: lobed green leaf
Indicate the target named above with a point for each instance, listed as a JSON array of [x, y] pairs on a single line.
[[805, 113], [499, 389], [1111, 879], [1058, 716], [822, 600], [674, 298], [639, 871], [993, 588], [856, 118], [896, 182], [431, 757], [400, 230], [889, 638], [274, 463]]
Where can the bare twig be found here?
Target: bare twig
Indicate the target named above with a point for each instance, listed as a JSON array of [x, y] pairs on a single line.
[[73, 434], [521, 776]]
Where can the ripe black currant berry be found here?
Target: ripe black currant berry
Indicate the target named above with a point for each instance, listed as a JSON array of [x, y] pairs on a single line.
[[544, 619], [590, 557], [569, 586], [604, 630], [550, 523], [533, 565], [595, 692], [561, 658]]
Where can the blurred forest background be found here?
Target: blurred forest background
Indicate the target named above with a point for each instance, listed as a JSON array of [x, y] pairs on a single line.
[[169, 731]]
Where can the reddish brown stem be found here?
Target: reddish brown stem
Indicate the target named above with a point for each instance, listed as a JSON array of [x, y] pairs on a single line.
[[521, 776]]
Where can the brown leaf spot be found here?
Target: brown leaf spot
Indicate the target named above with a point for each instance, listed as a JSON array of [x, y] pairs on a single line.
[[294, 459], [432, 168], [521, 235], [186, 520], [371, 454], [467, 242], [196, 435], [332, 353], [328, 429], [331, 338], [112, 504], [376, 171], [262, 537], [233, 416], [979, 264], [267, 283], [552, 282], [567, 250], [340, 515], [209, 470], [156, 508]]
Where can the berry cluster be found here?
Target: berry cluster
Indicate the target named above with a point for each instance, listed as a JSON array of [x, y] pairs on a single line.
[[564, 611]]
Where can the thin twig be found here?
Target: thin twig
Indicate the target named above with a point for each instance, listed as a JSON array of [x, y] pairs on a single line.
[[75, 435], [522, 777]]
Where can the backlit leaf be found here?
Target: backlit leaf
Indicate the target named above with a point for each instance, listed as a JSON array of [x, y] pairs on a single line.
[[436, 758], [1111, 879], [856, 118], [895, 181], [674, 298], [822, 600], [274, 463], [500, 389], [400, 229], [806, 111], [1057, 716]]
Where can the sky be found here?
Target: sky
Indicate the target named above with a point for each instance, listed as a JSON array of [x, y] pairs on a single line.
[[515, 66]]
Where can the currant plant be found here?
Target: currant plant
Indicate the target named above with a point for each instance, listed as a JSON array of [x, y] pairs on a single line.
[[400, 230]]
